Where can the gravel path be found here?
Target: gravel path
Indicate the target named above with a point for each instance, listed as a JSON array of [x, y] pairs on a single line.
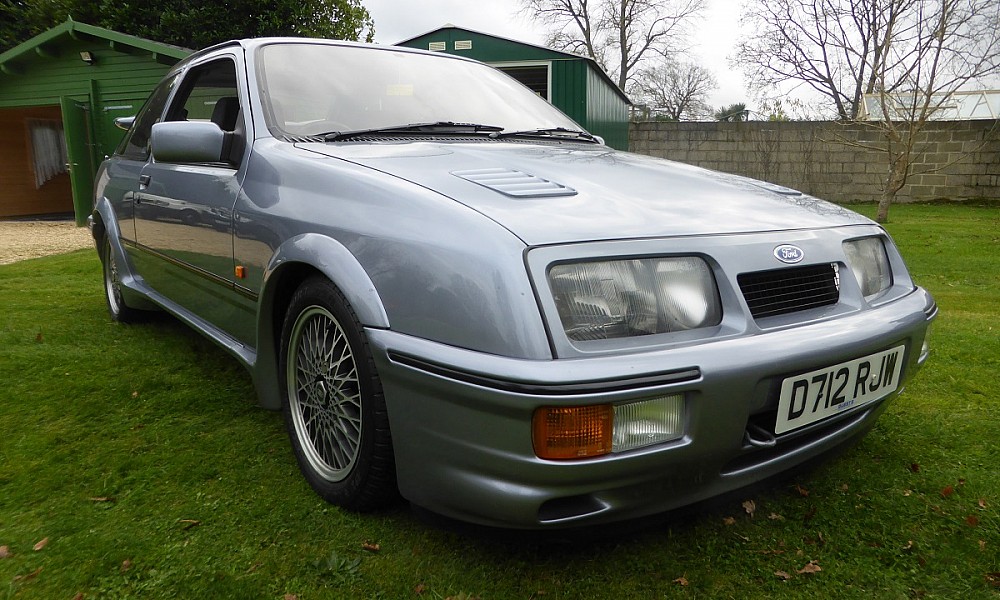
[[20, 240]]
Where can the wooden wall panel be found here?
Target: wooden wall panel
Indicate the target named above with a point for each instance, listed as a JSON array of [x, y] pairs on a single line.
[[18, 195]]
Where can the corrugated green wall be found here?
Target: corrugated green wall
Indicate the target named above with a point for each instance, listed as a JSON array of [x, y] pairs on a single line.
[[607, 113], [569, 89]]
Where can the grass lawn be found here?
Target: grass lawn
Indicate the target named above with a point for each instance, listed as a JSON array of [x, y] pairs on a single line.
[[134, 463]]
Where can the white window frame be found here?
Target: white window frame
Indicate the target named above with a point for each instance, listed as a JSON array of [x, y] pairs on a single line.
[[531, 63]]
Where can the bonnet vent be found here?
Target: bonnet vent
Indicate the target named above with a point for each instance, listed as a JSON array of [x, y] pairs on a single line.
[[515, 183]]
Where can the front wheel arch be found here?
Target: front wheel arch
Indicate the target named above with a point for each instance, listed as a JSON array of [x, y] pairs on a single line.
[[293, 263], [332, 400]]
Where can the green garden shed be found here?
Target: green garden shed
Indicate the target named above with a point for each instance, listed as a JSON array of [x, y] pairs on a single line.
[[60, 93], [575, 84]]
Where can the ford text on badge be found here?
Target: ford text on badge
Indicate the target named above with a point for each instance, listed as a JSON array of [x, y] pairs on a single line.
[[788, 253]]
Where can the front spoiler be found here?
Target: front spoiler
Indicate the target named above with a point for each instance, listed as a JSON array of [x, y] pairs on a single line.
[[461, 420]]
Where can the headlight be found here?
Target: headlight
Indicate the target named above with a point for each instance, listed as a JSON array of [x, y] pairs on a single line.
[[870, 264], [626, 298]]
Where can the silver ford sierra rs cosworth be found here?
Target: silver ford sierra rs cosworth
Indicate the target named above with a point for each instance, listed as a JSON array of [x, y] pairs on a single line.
[[456, 295]]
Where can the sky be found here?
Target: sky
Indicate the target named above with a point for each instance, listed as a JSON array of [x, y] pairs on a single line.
[[397, 20]]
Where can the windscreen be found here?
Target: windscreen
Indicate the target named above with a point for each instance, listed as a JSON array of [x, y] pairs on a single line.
[[313, 89]]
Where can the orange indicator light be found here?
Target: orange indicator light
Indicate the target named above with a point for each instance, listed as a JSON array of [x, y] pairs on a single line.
[[241, 272], [561, 433]]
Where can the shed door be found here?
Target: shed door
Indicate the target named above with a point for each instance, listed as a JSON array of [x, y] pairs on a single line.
[[76, 124]]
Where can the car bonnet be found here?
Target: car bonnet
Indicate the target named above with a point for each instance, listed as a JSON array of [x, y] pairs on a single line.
[[564, 193]]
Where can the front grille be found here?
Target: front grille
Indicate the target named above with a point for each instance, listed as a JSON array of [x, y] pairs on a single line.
[[783, 291]]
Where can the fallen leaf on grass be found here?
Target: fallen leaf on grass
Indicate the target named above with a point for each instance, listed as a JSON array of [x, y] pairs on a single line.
[[809, 568], [809, 514], [914, 468], [420, 589], [291, 597], [253, 568], [750, 507], [782, 575], [41, 544], [189, 523], [775, 517], [845, 488], [78, 596], [982, 545], [370, 546], [5, 552], [802, 491], [102, 499], [947, 491], [993, 579], [908, 547], [982, 503], [818, 540], [126, 565], [135, 394], [907, 493], [728, 521], [38, 338], [681, 581], [29, 576], [972, 521]]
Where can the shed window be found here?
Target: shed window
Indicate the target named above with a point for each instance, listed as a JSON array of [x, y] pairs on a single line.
[[437, 46], [535, 78], [48, 149]]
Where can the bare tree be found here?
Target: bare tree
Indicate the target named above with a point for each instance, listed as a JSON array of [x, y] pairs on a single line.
[[940, 47], [619, 34], [677, 91], [904, 57]]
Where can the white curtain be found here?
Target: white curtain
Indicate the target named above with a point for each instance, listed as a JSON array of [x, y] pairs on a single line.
[[48, 149]]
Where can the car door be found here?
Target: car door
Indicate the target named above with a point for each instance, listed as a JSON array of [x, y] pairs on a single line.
[[122, 175], [183, 212]]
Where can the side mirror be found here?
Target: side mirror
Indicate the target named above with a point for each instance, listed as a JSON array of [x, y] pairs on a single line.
[[124, 123], [187, 142]]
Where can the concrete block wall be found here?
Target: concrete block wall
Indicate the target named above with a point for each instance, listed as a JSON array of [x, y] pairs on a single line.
[[953, 160]]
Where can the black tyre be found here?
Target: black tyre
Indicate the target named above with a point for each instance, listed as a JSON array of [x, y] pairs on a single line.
[[333, 403], [117, 308]]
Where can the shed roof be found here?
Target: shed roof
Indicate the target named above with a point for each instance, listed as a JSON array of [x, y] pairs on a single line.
[[542, 50], [44, 43]]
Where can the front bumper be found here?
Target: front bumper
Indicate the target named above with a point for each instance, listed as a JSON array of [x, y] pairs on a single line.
[[461, 420]]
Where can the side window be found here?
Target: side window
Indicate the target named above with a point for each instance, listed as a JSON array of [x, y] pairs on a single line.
[[135, 144], [209, 93]]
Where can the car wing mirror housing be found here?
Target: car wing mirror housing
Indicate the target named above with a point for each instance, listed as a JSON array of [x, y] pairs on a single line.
[[124, 123], [189, 142]]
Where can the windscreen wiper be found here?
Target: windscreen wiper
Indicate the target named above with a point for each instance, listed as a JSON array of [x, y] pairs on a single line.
[[417, 128], [551, 132]]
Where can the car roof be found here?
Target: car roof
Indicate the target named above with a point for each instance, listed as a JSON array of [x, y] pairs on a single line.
[[249, 44]]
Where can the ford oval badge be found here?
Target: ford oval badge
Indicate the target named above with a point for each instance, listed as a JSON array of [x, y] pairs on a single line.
[[788, 253]]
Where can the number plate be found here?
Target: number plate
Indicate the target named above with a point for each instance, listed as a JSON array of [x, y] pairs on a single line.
[[819, 394]]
